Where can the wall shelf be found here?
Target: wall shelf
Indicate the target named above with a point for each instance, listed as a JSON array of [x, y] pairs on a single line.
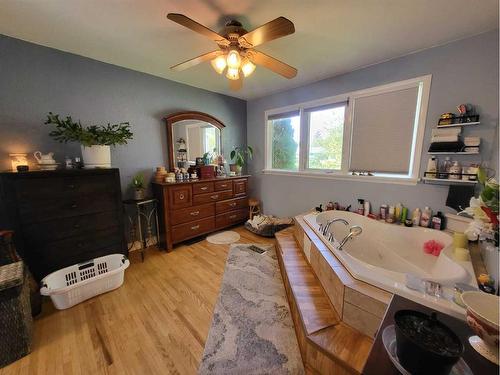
[[442, 181], [458, 124], [453, 153]]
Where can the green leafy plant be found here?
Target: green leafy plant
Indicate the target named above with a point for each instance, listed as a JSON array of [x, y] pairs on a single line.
[[68, 130], [239, 155], [138, 182]]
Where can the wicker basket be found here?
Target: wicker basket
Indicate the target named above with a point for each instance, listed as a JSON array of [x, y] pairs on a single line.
[[16, 324]]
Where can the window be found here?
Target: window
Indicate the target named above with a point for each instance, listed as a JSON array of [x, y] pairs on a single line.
[[284, 135], [326, 137], [378, 130]]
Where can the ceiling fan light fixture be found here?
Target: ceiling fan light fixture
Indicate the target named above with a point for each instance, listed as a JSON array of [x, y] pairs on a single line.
[[219, 64], [233, 59], [233, 74], [247, 67]]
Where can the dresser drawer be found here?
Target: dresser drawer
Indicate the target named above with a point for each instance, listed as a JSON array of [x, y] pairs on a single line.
[[232, 204], [192, 229], [232, 217], [212, 197], [58, 208], [66, 252], [240, 187], [39, 189], [57, 229], [179, 196], [192, 213], [223, 185], [203, 187]]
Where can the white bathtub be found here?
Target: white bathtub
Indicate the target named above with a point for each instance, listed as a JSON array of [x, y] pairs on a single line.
[[383, 254]]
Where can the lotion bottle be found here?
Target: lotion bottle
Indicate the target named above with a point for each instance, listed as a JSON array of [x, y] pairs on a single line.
[[425, 219], [415, 216], [366, 208]]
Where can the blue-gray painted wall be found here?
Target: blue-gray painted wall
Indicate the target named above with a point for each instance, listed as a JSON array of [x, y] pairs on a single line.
[[35, 80], [462, 72]]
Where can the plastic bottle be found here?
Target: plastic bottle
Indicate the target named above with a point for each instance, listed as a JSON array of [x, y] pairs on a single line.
[[444, 168], [432, 167], [361, 207], [455, 171], [438, 221], [415, 216], [390, 215], [425, 219], [366, 208], [404, 215], [383, 212], [397, 212]]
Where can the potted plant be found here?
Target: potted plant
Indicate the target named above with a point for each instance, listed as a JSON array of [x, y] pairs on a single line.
[[239, 155], [95, 140], [138, 185]]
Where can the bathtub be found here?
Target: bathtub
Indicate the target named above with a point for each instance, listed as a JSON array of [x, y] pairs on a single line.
[[384, 254]]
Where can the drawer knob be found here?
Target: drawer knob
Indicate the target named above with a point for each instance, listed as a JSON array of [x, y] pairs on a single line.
[[204, 188], [232, 204], [181, 196], [195, 227], [224, 185], [194, 213], [232, 217], [214, 196]]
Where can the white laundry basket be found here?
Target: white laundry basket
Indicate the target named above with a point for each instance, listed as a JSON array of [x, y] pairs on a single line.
[[74, 284]]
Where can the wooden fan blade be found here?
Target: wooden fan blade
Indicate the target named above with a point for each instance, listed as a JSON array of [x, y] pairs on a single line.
[[271, 63], [236, 84], [274, 29], [197, 60], [185, 21]]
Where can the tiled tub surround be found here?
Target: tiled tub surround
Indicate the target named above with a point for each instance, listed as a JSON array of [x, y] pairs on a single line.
[[383, 254], [360, 304]]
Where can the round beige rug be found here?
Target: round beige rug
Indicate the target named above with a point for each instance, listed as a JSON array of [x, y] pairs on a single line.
[[224, 238]]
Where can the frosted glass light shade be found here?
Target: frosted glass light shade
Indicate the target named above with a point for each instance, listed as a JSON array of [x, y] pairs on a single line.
[[233, 73], [247, 67], [219, 64], [233, 59]]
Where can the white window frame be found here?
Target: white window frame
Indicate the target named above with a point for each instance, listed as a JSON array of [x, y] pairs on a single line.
[[423, 83]]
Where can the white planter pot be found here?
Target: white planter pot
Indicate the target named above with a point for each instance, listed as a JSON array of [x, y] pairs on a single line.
[[96, 156]]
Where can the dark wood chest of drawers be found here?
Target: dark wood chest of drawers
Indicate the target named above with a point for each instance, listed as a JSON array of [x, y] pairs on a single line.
[[64, 217], [190, 209]]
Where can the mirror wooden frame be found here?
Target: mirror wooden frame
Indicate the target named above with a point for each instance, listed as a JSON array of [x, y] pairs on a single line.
[[190, 115]]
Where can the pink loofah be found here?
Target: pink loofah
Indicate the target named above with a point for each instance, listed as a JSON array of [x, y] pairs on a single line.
[[433, 247]]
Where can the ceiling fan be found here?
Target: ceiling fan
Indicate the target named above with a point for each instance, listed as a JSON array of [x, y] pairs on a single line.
[[236, 54]]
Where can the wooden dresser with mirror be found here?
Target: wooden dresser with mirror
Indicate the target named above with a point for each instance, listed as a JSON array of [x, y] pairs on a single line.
[[188, 209]]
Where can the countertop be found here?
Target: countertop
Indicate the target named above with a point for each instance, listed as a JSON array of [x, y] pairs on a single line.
[[378, 362], [203, 180]]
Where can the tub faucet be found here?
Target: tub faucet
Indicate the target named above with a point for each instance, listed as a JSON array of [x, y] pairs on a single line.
[[329, 223], [354, 231]]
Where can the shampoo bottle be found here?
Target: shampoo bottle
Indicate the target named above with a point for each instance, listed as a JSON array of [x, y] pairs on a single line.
[[438, 221], [397, 212], [366, 208], [425, 219], [432, 167], [415, 216], [361, 207]]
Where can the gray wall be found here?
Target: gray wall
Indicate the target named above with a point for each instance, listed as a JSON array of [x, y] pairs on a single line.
[[462, 72], [35, 80]]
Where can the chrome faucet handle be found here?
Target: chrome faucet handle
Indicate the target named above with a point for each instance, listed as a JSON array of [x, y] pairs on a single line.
[[354, 231]]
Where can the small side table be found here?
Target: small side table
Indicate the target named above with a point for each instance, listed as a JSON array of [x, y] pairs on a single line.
[[145, 209]]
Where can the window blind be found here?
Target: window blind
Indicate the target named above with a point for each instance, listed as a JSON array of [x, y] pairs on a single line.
[[382, 131], [284, 115]]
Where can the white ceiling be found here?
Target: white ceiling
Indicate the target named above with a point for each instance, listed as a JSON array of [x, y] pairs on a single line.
[[332, 36]]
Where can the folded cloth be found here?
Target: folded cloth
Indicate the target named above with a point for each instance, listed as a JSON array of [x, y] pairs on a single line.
[[471, 149], [446, 146], [446, 132], [472, 141], [445, 138]]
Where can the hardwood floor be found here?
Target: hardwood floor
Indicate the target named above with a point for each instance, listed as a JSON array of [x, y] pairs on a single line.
[[156, 323]]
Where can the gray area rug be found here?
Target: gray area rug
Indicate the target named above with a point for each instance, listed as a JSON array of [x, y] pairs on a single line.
[[252, 331]]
